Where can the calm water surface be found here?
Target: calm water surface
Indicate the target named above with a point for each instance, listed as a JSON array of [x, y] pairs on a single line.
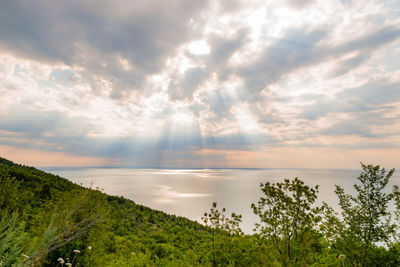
[[190, 192]]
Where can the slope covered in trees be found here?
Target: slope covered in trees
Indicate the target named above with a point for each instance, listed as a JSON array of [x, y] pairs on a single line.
[[46, 220]]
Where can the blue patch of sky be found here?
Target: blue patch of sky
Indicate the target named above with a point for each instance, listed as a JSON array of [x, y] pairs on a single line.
[[46, 83], [63, 76], [18, 69], [390, 58]]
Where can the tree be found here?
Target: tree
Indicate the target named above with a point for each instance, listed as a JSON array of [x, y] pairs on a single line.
[[396, 197], [366, 217], [218, 221], [288, 219]]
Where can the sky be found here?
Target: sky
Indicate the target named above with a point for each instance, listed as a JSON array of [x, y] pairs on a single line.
[[205, 84]]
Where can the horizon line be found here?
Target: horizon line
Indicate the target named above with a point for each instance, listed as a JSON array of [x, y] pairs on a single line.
[[193, 168]]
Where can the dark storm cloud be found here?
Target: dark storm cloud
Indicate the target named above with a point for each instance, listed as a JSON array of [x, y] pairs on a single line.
[[94, 34]]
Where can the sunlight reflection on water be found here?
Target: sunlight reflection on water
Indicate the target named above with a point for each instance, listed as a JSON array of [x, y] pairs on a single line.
[[190, 192]]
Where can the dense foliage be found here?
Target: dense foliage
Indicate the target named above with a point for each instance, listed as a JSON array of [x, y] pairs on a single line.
[[46, 220], [289, 220]]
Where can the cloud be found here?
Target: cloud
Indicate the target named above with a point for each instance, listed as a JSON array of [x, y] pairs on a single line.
[[299, 49], [220, 103], [216, 62], [54, 132], [155, 82], [300, 3], [296, 49], [123, 42], [370, 41], [187, 85], [346, 65], [351, 127], [372, 96], [222, 48], [33, 123]]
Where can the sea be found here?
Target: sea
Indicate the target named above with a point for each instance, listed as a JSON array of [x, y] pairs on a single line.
[[191, 192]]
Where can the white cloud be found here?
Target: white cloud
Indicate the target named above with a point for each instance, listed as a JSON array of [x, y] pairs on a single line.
[[197, 75]]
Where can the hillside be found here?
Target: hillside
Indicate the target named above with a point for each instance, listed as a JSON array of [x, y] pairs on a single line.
[[47, 220], [118, 231]]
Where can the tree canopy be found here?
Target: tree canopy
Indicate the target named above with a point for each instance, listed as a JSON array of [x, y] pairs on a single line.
[[47, 220]]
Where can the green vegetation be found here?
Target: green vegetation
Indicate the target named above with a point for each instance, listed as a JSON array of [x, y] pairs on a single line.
[[46, 220], [366, 218], [289, 221]]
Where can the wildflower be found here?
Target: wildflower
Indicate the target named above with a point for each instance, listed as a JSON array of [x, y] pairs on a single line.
[[342, 257], [76, 251], [89, 247], [25, 256], [68, 264], [60, 260]]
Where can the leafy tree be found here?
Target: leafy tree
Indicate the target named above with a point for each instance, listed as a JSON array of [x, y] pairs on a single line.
[[366, 216], [288, 219], [395, 246], [48, 217], [10, 195], [218, 221], [396, 197]]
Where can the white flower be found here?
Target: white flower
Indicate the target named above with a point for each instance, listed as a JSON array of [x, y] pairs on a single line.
[[68, 264], [60, 260], [89, 247], [76, 251]]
